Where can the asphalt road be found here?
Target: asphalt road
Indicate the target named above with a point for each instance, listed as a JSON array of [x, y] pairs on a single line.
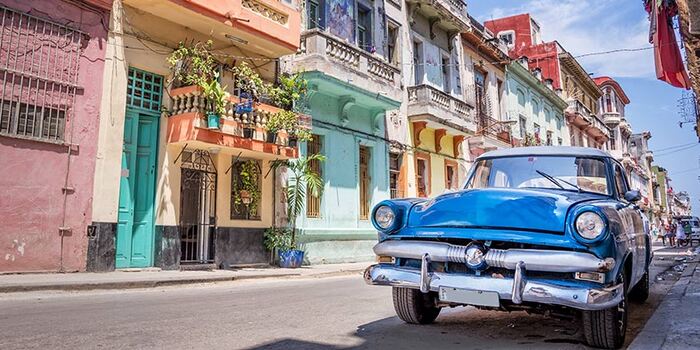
[[328, 313]]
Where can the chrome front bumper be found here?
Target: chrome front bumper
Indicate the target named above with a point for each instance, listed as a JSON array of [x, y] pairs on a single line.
[[517, 289]]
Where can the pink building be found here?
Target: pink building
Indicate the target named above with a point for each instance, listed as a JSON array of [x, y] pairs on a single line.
[[51, 65]]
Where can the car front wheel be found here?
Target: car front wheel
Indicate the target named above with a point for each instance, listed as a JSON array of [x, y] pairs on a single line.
[[415, 307], [640, 292], [606, 328]]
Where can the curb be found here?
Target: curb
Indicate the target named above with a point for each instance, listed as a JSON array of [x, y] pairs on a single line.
[[162, 283]]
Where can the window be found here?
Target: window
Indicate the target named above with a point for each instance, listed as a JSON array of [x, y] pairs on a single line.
[[364, 28], [445, 74], [246, 189], [507, 37], [422, 175], [549, 138], [560, 141], [451, 177], [418, 62], [313, 203], [620, 182], [393, 42], [395, 174], [480, 92], [40, 77], [499, 91], [313, 19], [537, 133], [364, 182], [613, 140], [526, 172], [523, 127]]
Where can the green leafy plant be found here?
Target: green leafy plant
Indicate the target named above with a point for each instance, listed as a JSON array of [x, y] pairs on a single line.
[[248, 80], [279, 238], [290, 89], [301, 178], [216, 94], [250, 183], [192, 64]]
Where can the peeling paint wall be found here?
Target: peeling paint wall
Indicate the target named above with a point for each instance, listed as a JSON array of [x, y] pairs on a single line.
[[33, 173]]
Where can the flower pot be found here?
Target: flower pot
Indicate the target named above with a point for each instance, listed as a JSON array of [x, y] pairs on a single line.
[[271, 137], [213, 121], [292, 141], [248, 132], [291, 258]]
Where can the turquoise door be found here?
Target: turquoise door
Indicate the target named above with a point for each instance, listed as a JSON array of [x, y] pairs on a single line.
[[135, 228]]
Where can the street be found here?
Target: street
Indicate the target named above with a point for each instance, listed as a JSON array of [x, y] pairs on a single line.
[[328, 313]]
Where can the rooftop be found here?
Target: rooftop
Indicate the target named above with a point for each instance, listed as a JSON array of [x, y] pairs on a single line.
[[546, 151]]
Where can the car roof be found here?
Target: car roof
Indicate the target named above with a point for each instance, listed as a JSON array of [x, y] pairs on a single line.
[[546, 151]]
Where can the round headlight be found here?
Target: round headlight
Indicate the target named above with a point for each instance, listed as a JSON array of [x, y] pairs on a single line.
[[384, 216], [590, 225], [474, 256]]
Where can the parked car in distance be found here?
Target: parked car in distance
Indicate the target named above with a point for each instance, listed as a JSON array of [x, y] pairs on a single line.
[[539, 229]]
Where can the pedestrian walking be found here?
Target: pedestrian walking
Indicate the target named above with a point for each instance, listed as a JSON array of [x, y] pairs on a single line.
[[658, 234], [680, 232], [670, 234]]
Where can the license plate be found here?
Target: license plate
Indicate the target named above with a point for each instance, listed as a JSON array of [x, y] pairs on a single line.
[[471, 297]]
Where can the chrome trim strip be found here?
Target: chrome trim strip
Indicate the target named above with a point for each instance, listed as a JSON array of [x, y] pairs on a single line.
[[519, 283], [534, 259], [536, 291]]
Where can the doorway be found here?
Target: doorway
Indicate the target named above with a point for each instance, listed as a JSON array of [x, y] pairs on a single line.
[[197, 207]]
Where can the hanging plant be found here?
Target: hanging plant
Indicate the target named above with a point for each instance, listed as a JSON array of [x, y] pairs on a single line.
[[249, 187], [192, 64], [289, 92], [249, 81]]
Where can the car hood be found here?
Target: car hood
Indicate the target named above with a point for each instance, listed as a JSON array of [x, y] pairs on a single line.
[[499, 208]]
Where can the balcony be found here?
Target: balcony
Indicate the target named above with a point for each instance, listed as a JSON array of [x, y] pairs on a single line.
[[187, 124], [451, 15], [439, 109], [580, 116], [267, 27], [611, 119], [349, 66], [625, 127], [649, 155]]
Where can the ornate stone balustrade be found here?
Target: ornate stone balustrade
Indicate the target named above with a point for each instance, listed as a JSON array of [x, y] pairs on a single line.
[[427, 100]]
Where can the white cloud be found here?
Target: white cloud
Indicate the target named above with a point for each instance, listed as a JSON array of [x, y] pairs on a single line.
[[589, 26]]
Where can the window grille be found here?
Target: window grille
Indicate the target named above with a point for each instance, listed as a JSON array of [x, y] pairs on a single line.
[[245, 205], [144, 90], [39, 62], [313, 203]]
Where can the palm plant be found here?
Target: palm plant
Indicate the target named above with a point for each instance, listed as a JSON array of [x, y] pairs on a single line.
[[302, 179]]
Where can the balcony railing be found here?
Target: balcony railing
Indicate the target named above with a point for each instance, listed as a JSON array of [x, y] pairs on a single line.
[[425, 99], [190, 101], [611, 118], [453, 13], [319, 44]]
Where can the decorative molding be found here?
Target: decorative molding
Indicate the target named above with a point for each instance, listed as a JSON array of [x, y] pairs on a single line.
[[439, 134], [265, 11], [344, 104], [456, 144], [412, 11], [378, 119], [417, 128], [433, 22]]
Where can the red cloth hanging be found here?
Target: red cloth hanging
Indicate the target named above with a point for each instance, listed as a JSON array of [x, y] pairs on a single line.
[[667, 54]]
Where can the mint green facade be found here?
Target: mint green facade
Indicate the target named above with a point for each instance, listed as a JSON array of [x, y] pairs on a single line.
[[535, 107], [345, 117]]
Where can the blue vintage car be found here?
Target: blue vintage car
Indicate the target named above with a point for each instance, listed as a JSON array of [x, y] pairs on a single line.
[[540, 229]]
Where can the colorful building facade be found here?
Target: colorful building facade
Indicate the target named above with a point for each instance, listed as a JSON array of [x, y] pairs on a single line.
[[174, 191], [537, 108], [52, 57]]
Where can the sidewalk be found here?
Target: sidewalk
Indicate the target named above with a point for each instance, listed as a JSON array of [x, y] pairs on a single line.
[[676, 322], [157, 278]]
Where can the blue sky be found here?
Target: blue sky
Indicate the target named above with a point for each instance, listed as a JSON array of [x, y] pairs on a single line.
[[589, 26]]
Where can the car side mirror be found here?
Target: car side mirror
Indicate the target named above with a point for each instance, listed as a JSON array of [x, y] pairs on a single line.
[[633, 196]]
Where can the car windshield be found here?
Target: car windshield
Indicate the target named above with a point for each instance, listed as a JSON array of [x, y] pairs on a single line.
[[556, 172]]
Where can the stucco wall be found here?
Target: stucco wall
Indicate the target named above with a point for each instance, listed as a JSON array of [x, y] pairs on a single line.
[[33, 173]]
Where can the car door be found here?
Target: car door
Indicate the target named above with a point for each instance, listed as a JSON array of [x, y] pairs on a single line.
[[632, 226]]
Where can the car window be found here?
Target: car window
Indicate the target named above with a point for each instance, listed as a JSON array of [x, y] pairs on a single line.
[[550, 172], [620, 183]]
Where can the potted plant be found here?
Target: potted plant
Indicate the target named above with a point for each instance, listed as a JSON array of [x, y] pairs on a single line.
[[280, 240], [298, 134], [217, 97], [281, 120], [289, 91], [302, 180]]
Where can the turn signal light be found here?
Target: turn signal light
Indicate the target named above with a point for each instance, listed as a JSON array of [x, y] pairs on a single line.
[[383, 259]]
